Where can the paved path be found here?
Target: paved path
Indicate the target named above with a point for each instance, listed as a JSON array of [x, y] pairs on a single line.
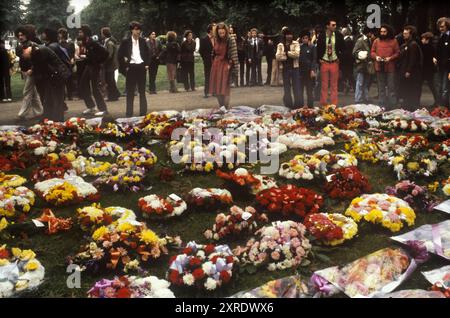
[[249, 96]]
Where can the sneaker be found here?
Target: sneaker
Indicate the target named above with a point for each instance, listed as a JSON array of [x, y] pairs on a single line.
[[101, 113], [89, 111], [9, 100], [4, 100]]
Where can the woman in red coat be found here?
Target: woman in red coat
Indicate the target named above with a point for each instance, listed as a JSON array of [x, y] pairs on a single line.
[[225, 62]]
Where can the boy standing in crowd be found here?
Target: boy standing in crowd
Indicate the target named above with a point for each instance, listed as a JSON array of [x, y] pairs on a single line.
[[134, 60], [307, 66]]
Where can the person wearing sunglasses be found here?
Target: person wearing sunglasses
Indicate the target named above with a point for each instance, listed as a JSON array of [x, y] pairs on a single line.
[[330, 48]]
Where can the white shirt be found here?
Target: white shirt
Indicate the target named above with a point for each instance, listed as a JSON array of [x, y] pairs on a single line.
[[135, 52], [255, 43]]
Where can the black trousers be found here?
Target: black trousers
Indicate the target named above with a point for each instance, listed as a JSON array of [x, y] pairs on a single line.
[[411, 89], [306, 82], [90, 85], [136, 76], [431, 81], [188, 75], [207, 71], [269, 70], [5, 86], [70, 85], [152, 72], [52, 97], [111, 86], [256, 76], [242, 72], [81, 65], [248, 66]]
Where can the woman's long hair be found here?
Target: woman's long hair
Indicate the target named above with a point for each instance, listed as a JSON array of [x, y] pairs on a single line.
[[219, 26]]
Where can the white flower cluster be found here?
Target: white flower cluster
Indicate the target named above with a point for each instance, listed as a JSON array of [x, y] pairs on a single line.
[[305, 142], [104, 149], [84, 189]]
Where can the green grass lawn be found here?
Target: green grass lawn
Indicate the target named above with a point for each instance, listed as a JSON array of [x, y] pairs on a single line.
[[53, 250], [161, 80]]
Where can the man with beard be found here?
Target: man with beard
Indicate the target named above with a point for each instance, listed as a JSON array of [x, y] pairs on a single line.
[[385, 51]]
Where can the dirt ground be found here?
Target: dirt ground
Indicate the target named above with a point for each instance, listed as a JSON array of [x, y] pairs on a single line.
[[241, 96]]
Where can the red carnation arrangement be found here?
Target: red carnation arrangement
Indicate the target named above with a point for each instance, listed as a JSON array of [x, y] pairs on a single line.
[[16, 160], [237, 222], [322, 228], [242, 180], [198, 266], [347, 183], [442, 112], [289, 199], [166, 132], [50, 168]]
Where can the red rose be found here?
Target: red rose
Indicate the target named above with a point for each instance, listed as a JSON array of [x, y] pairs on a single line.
[[229, 259], [187, 251], [210, 248], [214, 259], [198, 274], [123, 293], [194, 262], [174, 277], [225, 276]]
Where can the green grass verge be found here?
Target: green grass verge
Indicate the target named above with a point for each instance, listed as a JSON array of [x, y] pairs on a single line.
[[53, 250]]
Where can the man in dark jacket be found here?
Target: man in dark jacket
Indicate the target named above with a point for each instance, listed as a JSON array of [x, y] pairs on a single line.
[[307, 61], [154, 47], [206, 48], [134, 61], [410, 69], [50, 38], [50, 74], [255, 52], [443, 59], [188, 61], [330, 49], [111, 64], [429, 69], [270, 49], [69, 47], [5, 76], [346, 64], [90, 79]]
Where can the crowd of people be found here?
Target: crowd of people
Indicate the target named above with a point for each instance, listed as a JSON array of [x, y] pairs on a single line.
[[319, 62]]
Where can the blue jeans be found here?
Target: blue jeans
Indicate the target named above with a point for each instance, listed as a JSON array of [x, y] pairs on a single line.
[[444, 87], [291, 83], [386, 90], [362, 87]]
